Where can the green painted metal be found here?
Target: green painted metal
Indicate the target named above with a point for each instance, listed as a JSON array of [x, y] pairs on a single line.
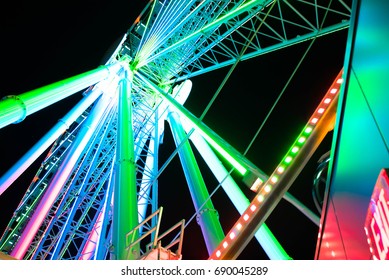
[[242, 164], [14, 109], [207, 216], [125, 216]]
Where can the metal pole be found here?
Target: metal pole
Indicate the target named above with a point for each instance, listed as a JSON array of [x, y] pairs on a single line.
[[241, 163], [145, 187], [125, 217], [264, 236], [27, 159], [302, 208], [91, 244], [60, 178], [247, 6], [102, 244], [207, 217], [14, 109]]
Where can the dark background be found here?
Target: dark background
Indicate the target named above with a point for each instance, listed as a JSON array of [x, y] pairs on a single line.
[[42, 43]]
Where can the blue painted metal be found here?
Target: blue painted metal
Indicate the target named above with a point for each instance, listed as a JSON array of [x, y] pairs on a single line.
[[44, 143]]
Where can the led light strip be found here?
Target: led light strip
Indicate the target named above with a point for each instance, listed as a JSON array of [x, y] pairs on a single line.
[[267, 187], [304, 135]]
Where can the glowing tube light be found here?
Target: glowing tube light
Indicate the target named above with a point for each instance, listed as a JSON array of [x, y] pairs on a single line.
[[226, 155], [44, 143], [286, 162], [14, 109], [258, 182], [59, 179], [264, 236], [240, 163]]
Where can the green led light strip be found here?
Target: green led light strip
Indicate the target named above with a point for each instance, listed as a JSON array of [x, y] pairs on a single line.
[[267, 187]]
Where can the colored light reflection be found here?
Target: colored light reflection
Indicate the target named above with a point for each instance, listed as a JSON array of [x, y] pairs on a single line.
[[226, 155], [377, 218]]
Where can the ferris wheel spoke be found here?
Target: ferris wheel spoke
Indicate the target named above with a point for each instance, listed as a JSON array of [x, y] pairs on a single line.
[[264, 235]]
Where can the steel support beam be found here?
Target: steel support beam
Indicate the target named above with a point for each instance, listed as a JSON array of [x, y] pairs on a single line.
[[125, 216], [44, 143], [264, 236], [60, 178], [207, 216], [241, 163], [14, 109], [208, 28]]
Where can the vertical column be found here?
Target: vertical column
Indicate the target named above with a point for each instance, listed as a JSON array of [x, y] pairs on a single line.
[[207, 217], [125, 216]]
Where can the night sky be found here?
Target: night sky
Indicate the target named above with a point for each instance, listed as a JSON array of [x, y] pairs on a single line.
[[41, 44]]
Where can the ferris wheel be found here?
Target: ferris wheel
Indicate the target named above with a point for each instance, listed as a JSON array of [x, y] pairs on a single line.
[[99, 193]]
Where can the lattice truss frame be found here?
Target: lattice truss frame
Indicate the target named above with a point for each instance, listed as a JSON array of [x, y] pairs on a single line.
[[201, 36]]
